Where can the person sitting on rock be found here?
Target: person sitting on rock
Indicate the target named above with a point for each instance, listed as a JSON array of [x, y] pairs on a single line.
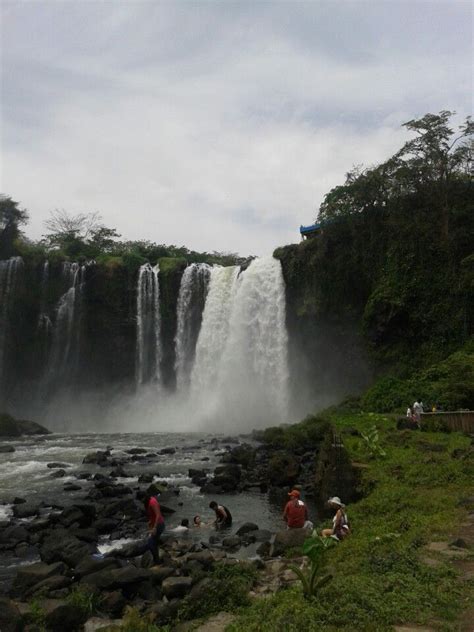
[[223, 515], [340, 528], [295, 513]]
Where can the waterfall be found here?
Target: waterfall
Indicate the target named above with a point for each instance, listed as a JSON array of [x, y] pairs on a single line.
[[191, 301], [65, 349], [241, 369], [9, 273], [214, 328], [149, 349], [44, 322]]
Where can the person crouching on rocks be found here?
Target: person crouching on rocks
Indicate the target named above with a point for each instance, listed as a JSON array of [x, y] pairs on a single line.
[[223, 515], [156, 525], [295, 513], [340, 528]]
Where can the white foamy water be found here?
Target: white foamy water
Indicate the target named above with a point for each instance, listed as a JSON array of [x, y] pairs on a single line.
[[112, 545], [5, 512]]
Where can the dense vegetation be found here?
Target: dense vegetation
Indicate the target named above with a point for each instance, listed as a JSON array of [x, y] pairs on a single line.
[[82, 237], [385, 574], [394, 265]]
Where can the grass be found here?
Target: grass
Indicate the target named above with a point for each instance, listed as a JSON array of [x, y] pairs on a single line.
[[380, 578]]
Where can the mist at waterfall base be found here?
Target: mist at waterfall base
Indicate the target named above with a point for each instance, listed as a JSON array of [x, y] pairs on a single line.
[[231, 359]]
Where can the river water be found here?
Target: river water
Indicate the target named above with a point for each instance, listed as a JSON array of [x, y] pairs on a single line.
[[24, 473]]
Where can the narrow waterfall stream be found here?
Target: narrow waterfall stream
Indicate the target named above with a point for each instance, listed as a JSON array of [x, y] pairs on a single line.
[[149, 348]]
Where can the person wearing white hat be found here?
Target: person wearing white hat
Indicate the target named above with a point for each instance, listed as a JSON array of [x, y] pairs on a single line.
[[340, 524]]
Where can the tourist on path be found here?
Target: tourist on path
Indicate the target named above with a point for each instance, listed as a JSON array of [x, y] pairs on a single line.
[[223, 515], [340, 528], [295, 513]]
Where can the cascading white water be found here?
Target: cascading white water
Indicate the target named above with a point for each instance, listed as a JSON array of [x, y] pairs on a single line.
[[240, 376], [149, 348], [214, 329], [67, 327], [9, 273], [44, 322], [191, 301]]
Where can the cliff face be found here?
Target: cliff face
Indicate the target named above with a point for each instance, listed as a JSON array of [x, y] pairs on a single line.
[[101, 328]]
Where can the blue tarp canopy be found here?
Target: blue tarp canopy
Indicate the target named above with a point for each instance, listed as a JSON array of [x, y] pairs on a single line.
[[306, 230]]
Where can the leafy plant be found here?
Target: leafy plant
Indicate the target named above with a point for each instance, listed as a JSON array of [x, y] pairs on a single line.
[[314, 548], [372, 442], [85, 598]]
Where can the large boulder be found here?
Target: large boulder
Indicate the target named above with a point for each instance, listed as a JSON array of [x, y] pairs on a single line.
[[60, 546], [176, 586], [288, 539], [10, 427], [283, 469], [34, 574], [101, 457], [10, 616], [62, 615], [246, 527], [110, 578]]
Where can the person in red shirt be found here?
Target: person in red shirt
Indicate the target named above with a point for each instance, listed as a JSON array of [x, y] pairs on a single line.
[[156, 525], [295, 513]]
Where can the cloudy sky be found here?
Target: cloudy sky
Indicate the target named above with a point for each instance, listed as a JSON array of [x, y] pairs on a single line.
[[217, 125]]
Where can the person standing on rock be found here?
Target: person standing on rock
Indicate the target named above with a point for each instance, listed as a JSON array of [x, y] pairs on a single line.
[[295, 513], [223, 515], [156, 525]]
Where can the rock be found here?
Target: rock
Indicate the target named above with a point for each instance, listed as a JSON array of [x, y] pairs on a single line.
[[97, 624], [33, 574], [167, 451], [199, 591], [147, 478], [211, 488], [264, 549], [117, 577], [58, 474], [113, 603], [91, 565], [460, 543], [6, 448], [286, 539], [246, 527], [262, 535], [10, 617], [105, 525], [119, 472], [64, 547], [48, 585], [64, 616], [283, 469], [193, 473], [25, 510], [98, 458], [10, 427], [159, 573], [19, 501], [71, 487], [14, 533], [137, 451], [205, 558], [75, 515], [231, 542], [59, 466], [176, 586]]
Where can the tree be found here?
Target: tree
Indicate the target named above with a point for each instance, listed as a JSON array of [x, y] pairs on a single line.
[[11, 218], [81, 225]]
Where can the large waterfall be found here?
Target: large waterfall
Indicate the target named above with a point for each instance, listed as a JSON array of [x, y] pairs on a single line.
[[149, 347], [241, 368], [191, 301], [9, 273], [65, 351]]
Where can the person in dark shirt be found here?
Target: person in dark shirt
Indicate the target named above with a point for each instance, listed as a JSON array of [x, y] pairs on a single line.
[[223, 515]]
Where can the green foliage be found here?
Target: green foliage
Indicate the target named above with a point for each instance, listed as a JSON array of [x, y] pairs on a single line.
[[312, 579], [134, 621], [380, 578], [227, 590], [37, 614], [86, 599], [306, 434], [449, 384], [11, 218], [372, 442]]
